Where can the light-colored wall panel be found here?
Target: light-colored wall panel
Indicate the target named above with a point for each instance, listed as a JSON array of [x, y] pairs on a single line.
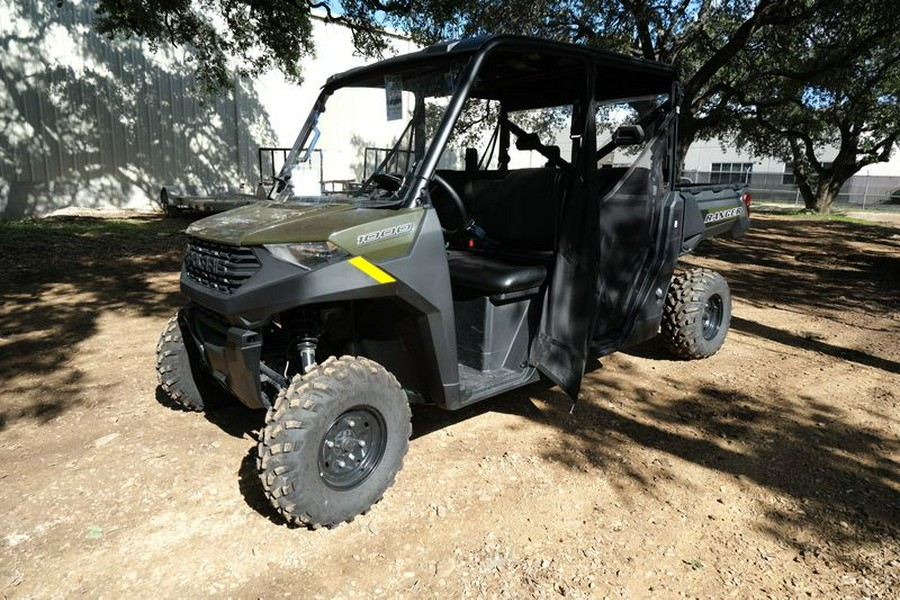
[[85, 121]]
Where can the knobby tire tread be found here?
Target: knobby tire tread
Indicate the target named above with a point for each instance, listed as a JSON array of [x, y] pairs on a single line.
[[291, 425], [685, 303], [173, 369]]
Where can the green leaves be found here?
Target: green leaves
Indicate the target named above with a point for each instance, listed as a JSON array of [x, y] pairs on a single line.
[[826, 101], [246, 37]]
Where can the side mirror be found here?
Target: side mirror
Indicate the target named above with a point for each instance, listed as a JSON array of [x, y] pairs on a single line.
[[529, 141], [628, 135]]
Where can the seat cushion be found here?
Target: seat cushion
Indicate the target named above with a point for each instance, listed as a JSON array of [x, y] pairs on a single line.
[[492, 276]]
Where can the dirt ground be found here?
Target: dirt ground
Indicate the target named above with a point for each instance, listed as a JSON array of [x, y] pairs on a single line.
[[771, 470]]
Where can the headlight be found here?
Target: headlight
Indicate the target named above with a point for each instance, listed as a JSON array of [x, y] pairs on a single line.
[[309, 255]]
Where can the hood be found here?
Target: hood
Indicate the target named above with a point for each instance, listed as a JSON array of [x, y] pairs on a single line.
[[271, 222]]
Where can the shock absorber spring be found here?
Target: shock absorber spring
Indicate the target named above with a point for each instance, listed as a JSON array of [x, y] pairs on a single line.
[[307, 326], [307, 348]]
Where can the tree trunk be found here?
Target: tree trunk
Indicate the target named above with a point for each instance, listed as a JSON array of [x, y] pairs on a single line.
[[826, 194], [806, 192], [820, 190]]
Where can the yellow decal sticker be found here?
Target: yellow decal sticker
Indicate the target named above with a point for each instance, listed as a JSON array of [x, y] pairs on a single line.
[[371, 270]]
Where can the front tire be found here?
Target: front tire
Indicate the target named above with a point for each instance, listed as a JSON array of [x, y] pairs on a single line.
[[334, 442], [180, 375], [697, 314]]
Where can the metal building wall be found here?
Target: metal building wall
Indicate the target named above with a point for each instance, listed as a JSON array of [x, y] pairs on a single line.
[[85, 121]]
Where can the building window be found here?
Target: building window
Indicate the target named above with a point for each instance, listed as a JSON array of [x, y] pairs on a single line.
[[788, 177], [731, 173]]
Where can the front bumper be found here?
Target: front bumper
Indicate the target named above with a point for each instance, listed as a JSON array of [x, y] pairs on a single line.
[[231, 354], [227, 324]]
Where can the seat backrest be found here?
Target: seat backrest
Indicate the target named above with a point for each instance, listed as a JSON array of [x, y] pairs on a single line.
[[516, 208], [520, 210]]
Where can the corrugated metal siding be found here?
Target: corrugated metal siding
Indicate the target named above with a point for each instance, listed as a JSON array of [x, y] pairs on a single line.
[[113, 132]]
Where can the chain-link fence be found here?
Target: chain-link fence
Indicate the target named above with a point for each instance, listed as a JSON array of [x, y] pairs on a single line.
[[863, 191]]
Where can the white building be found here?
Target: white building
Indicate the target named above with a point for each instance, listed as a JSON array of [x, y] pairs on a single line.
[[93, 123], [717, 161]]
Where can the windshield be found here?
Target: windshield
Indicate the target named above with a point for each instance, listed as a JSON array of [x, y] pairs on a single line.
[[363, 142]]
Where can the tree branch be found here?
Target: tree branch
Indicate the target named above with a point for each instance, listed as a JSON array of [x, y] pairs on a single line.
[[727, 52]]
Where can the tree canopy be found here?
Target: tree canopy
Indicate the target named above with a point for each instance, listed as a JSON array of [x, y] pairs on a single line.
[[834, 84], [699, 37], [246, 36]]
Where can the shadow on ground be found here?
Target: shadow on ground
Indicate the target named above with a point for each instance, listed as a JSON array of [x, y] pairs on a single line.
[[799, 265], [840, 480], [58, 277], [786, 338]]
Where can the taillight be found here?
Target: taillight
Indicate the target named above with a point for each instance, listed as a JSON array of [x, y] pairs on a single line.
[[747, 199]]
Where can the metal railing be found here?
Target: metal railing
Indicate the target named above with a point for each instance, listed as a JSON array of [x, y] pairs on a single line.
[[374, 159], [272, 159]]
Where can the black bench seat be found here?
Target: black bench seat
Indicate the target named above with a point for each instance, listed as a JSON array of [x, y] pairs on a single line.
[[476, 274]]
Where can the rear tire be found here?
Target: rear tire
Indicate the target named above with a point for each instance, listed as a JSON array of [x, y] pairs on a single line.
[[697, 314], [334, 442], [183, 381]]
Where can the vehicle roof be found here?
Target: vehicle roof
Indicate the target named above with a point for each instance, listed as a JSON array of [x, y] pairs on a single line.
[[474, 45]]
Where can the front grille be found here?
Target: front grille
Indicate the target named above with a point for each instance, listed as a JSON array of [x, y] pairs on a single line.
[[217, 266]]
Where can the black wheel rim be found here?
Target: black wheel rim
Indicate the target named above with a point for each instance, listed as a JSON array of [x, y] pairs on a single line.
[[352, 448], [712, 317]]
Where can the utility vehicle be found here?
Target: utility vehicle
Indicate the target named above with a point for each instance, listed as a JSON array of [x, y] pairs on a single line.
[[522, 220]]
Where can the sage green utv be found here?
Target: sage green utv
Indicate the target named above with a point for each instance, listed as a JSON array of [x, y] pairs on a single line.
[[496, 210]]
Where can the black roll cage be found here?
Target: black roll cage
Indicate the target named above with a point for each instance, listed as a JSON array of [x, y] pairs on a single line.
[[479, 50]]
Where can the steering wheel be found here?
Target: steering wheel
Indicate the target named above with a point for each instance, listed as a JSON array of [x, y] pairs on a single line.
[[388, 182], [460, 217]]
